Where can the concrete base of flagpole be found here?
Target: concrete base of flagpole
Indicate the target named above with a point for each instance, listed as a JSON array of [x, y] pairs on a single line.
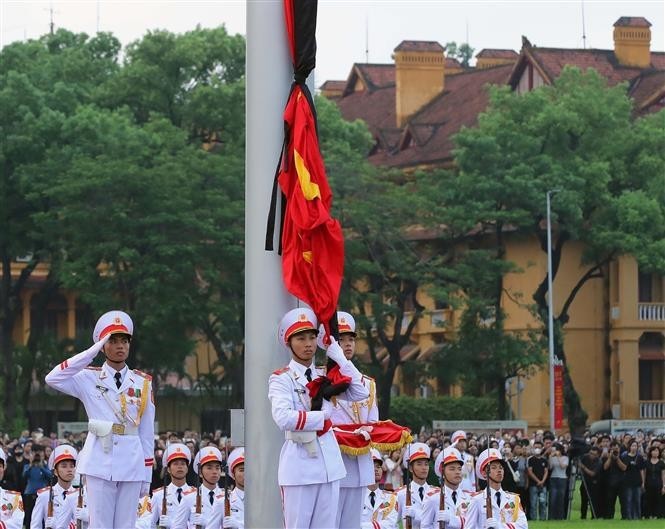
[[268, 74]]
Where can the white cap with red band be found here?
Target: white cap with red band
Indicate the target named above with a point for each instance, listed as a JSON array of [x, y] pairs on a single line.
[[449, 454], [295, 321], [236, 457], [458, 436], [113, 322], [62, 453], [485, 458], [416, 451], [206, 455], [376, 455], [176, 451]]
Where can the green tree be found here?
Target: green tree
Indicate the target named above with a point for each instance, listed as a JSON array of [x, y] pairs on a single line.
[[577, 136], [463, 53]]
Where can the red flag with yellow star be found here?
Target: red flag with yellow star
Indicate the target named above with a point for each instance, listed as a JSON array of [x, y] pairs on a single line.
[[312, 241]]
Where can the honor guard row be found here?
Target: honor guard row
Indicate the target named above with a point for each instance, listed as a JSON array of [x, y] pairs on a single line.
[[11, 504], [117, 457]]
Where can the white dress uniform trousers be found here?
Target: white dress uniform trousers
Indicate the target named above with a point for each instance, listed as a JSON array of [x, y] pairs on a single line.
[[416, 502], [359, 469], [11, 516], [117, 456], [507, 511], [310, 465], [457, 508], [383, 514]]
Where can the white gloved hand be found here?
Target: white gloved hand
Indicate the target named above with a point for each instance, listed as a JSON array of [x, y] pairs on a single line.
[[334, 352], [443, 516], [97, 346], [49, 523], [228, 523], [197, 520], [164, 520], [81, 513], [409, 511], [326, 408], [145, 489], [491, 523]]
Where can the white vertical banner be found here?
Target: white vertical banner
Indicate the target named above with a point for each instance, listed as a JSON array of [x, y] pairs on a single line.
[[268, 76]]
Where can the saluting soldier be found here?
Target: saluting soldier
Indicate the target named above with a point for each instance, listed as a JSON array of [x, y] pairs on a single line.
[[175, 461], [208, 464], [236, 519], [62, 462], [417, 458], [11, 513], [359, 468], [379, 510], [448, 466], [117, 457], [506, 510], [310, 464]]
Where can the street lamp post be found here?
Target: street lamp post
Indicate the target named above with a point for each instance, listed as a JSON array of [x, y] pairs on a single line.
[[550, 307]]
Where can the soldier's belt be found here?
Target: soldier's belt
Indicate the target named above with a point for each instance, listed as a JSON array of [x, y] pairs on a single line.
[[124, 429]]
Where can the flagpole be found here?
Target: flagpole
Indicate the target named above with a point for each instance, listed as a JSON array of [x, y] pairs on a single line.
[[268, 75]]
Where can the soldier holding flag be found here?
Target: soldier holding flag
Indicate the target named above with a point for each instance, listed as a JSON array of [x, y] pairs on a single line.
[[117, 456]]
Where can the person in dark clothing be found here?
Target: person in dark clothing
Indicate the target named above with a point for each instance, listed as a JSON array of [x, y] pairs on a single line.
[[613, 470], [654, 484], [14, 469], [633, 481], [538, 471], [591, 468], [37, 476]]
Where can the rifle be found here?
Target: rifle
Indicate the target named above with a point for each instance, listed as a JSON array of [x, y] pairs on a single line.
[[442, 500], [488, 499], [79, 502], [227, 500], [197, 509], [166, 475], [407, 520]]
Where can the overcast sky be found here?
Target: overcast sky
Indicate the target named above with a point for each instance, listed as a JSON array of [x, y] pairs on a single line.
[[345, 26]]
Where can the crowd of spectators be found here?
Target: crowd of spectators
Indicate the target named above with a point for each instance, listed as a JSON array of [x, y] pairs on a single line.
[[542, 468]]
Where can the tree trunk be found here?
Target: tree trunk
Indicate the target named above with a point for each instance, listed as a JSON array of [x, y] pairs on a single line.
[[501, 399], [572, 406], [7, 318], [383, 390]]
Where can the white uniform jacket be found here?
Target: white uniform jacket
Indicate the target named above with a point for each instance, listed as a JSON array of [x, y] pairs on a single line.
[[109, 455], [237, 500], [468, 472], [384, 513], [11, 511], [40, 509], [508, 516], [416, 502], [457, 510], [291, 411], [359, 469], [66, 516], [184, 512], [172, 504]]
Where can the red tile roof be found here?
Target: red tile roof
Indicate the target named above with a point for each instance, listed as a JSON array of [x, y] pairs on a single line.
[[333, 85], [453, 64], [494, 53], [639, 22], [648, 90], [419, 45]]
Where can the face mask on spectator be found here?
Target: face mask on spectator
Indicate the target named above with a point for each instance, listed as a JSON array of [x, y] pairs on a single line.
[[536, 451]]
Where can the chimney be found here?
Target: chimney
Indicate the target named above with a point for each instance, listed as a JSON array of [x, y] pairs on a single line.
[[632, 41], [419, 76], [490, 57]]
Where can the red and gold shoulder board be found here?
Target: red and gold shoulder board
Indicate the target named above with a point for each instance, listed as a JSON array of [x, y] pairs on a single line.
[[18, 493], [401, 488], [142, 374], [433, 491], [473, 494], [193, 489], [157, 490], [281, 370], [39, 491], [94, 368]]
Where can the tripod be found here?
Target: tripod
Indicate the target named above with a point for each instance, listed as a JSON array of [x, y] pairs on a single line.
[[575, 472]]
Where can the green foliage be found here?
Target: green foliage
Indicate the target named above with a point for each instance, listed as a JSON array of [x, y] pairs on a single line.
[[416, 413], [463, 53]]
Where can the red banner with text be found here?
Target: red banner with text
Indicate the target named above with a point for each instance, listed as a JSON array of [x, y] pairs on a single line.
[[558, 395]]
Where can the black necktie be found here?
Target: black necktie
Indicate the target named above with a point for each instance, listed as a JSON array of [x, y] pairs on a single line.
[[421, 492], [211, 495], [117, 377], [308, 374], [64, 494], [179, 491], [371, 498], [498, 498], [454, 497]]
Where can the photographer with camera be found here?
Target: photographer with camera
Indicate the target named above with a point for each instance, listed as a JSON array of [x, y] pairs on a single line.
[[613, 470], [37, 476], [538, 471], [558, 465]]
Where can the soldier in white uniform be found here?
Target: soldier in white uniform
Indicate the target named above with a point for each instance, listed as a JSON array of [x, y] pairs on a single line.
[[310, 463], [175, 461], [459, 441], [359, 469], [448, 466], [11, 514], [117, 456], [507, 510], [62, 462], [71, 512], [236, 519], [208, 464], [379, 510], [416, 457]]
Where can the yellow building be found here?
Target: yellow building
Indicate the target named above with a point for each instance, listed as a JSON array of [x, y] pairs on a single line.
[[614, 340]]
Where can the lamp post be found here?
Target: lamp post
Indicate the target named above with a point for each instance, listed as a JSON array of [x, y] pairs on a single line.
[[550, 307]]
